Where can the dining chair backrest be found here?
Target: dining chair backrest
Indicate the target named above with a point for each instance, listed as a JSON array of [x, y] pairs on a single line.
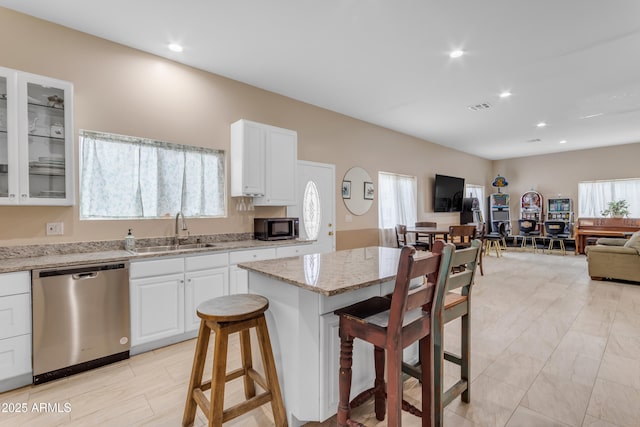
[[461, 235], [426, 224], [401, 235]]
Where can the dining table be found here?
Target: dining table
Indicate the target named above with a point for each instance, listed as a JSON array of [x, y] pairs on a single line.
[[430, 231]]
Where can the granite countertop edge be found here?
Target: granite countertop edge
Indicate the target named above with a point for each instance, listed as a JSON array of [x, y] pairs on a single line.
[[324, 292], [9, 265]]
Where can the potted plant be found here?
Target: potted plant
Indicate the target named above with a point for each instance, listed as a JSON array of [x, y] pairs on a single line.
[[616, 209]]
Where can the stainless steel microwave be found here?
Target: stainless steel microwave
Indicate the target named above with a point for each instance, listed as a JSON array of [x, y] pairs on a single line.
[[275, 228]]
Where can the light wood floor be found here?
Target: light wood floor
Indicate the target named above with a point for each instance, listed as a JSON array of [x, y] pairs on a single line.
[[549, 348]]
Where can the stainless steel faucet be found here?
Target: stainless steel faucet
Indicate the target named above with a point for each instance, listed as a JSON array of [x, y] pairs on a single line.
[[184, 227]]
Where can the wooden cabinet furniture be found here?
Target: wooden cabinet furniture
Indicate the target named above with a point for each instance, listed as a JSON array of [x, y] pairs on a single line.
[[15, 330], [603, 227], [36, 140], [264, 163], [165, 293]]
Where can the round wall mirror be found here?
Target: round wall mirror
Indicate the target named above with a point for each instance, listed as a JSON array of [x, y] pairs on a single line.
[[357, 191]]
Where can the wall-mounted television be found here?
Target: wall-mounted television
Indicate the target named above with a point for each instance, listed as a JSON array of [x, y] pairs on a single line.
[[448, 194]]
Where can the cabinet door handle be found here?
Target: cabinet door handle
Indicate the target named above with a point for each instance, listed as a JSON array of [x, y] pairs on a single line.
[[24, 196], [12, 196], [330, 233]]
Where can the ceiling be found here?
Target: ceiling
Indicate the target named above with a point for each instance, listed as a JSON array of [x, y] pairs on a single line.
[[574, 64]]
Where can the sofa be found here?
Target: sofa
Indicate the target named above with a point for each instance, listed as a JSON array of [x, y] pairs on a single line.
[[614, 258]]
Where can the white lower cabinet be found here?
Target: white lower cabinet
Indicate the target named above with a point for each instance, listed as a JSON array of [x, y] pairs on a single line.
[[15, 330], [239, 278], [157, 305], [166, 292], [201, 286]]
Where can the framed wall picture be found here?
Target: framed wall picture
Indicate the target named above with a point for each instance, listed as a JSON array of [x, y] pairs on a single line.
[[368, 190], [346, 189]]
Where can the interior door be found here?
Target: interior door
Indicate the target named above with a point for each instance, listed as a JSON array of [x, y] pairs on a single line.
[[315, 205]]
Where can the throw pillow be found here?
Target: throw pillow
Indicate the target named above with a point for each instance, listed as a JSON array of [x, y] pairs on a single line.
[[634, 242]]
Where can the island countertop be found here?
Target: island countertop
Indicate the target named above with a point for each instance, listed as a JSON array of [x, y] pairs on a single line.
[[333, 273]]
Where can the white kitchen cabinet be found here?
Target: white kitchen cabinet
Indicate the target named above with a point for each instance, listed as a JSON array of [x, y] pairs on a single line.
[[166, 292], [248, 144], [238, 277], [206, 277], [264, 163], [15, 330], [36, 140]]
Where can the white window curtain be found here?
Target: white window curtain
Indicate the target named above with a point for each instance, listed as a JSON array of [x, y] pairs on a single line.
[[477, 191], [594, 196], [397, 204], [126, 177]]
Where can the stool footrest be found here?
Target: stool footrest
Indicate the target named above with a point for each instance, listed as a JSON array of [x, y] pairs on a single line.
[[453, 392], [450, 357], [246, 406]]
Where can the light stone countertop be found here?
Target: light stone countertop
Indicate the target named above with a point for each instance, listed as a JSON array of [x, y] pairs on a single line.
[[334, 272], [8, 265]]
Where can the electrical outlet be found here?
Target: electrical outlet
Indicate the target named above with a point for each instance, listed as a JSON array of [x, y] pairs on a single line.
[[55, 228]]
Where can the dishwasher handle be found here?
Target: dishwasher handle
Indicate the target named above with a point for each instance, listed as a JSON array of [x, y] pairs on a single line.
[[85, 276]]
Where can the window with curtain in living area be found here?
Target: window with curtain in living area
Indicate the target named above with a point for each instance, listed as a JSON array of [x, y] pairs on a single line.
[[397, 204], [123, 177], [594, 196], [477, 191]]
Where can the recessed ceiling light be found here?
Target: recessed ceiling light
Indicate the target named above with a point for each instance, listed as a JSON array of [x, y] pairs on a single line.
[[564, 141], [174, 47], [505, 94], [456, 53], [541, 124]]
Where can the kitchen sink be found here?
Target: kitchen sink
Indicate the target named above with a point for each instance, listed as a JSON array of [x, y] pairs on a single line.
[[171, 248]]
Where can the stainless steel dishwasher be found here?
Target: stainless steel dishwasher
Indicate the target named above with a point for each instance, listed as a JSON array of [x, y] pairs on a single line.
[[80, 319]]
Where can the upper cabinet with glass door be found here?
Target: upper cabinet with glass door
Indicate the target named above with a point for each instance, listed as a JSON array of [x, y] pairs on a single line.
[[40, 164]]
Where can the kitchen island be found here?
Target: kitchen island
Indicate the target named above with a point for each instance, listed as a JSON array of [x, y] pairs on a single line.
[[303, 292]]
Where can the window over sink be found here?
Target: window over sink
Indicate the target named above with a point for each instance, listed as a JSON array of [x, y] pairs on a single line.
[[124, 177]]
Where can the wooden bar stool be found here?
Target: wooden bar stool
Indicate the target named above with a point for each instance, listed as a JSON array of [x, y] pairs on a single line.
[[448, 306], [227, 315], [392, 324]]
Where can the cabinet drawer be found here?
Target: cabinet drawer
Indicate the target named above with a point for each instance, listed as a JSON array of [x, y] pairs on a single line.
[[18, 282], [15, 315], [15, 356], [158, 267], [252, 255], [287, 251], [203, 262]]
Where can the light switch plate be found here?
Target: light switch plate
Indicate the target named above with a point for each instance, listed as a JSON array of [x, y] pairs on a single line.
[[55, 228]]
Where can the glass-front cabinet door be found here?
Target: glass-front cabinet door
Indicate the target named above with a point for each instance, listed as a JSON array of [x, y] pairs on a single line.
[[8, 138], [45, 140]]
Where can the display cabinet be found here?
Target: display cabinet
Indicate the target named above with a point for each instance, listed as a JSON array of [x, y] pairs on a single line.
[[36, 140]]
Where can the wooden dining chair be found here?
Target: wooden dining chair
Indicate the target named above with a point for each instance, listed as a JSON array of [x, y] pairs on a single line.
[[392, 324], [401, 239], [462, 235], [452, 301], [429, 237]]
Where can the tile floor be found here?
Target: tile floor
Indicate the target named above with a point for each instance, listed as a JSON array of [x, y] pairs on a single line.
[[550, 348]]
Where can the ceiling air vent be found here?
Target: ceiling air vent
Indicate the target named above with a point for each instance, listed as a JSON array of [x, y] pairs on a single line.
[[534, 140], [479, 107]]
